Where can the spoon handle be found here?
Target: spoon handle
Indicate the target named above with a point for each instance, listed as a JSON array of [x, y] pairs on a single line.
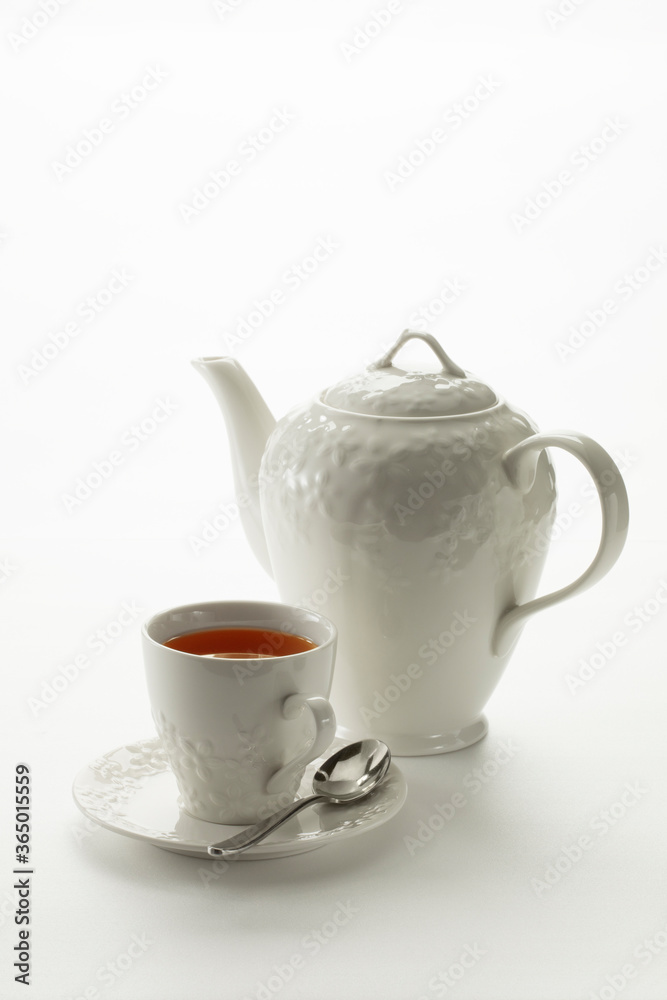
[[253, 834]]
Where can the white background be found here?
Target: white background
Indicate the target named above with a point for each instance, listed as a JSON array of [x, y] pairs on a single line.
[[357, 105]]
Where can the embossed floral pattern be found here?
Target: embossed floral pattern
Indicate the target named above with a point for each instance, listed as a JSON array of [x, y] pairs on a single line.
[[252, 753], [110, 798], [120, 794], [198, 757], [231, 784], [149, 756], [188, 754], [357, 477], [238, 782], [365, 485], [105, 768]]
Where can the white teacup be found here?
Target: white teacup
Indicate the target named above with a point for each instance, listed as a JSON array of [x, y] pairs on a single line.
[[240, 732]]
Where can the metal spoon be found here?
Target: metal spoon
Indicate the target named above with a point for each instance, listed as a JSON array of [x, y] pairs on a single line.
[[350, 773]]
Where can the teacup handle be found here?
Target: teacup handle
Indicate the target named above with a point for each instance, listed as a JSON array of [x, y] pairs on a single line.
[[520, 464], [325, 730]]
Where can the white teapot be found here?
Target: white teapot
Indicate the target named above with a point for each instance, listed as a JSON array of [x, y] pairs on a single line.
[[414, 510]]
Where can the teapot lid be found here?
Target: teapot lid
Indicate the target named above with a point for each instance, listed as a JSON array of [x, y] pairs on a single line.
[[389, 391]]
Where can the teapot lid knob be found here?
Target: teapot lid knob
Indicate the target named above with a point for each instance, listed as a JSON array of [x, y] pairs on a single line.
[[386, 390], [448, 366]]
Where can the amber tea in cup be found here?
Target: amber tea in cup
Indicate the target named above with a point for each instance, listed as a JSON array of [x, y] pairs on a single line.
[[240, 643]]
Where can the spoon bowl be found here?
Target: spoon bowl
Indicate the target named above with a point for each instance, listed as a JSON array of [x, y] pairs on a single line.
[[350, 773]]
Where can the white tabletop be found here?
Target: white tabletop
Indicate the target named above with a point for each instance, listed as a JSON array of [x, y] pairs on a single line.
[[545, 877], [493, 173]]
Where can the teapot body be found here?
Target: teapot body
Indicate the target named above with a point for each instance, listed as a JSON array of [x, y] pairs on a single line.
[[407, 532]]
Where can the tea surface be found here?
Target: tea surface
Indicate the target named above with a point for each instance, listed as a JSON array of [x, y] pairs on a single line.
[[240, 643]]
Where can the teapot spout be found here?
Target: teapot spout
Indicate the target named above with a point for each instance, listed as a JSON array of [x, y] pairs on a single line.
[[249, 424]]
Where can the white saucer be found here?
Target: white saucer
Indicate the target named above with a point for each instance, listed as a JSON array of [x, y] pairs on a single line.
[[132, 791]]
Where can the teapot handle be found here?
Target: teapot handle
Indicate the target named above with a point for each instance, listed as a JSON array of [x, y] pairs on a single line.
[[448, 365], [520, 464]]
